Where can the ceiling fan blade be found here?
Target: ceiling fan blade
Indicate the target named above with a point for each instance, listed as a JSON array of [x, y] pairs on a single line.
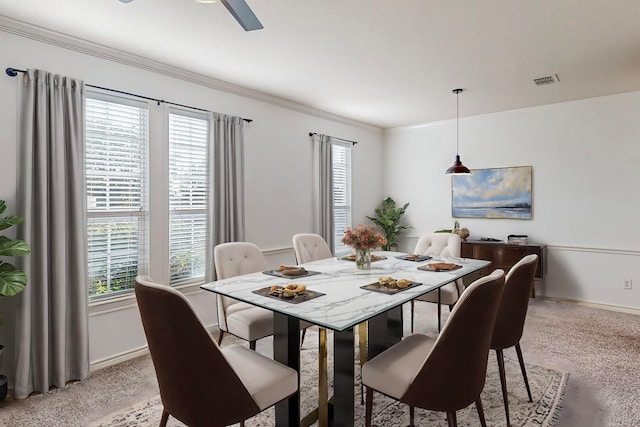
[[243, 14]]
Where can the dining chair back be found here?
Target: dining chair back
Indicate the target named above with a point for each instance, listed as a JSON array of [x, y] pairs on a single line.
[[238, 318], [201, 384], [510, 319], [446, 373], [439, 244], [445, 245], [236, 258], [310, 247]]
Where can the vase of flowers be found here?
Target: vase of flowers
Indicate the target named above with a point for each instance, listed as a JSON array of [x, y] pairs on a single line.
[[363, 259], [363, 239]]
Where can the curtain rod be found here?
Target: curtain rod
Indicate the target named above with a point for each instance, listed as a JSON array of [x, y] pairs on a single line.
[[333, 137], [12, 72]]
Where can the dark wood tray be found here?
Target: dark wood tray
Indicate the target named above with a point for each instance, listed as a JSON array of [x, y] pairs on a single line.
[[278, 273], [418, 258], [429, 267], [306, 296], [375, 287]]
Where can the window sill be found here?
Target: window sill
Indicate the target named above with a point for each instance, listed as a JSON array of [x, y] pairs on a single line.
[[128, 301]]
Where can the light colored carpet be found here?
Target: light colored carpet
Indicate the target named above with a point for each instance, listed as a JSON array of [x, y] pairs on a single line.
[[600, 349], [546, 386]]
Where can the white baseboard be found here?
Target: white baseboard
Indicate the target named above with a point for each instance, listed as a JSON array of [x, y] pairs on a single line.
[[619, 309], [118, 358]]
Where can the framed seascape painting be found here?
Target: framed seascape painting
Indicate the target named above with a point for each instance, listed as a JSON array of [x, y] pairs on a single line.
[[492, 193]]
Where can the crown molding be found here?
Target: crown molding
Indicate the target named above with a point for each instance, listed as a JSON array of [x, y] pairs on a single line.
[[54, 38]]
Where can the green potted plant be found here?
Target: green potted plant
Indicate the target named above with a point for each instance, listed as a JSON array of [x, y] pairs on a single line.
[[388, 218], [12, 280]]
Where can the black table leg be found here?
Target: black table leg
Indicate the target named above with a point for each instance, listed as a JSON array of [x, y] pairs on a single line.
[[286, 350], [384, 331], [343, 378], [439, 307]]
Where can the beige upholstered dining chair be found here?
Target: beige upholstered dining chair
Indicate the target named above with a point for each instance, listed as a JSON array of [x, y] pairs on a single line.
[[512, 312], [201, 384], [310, 247], [238, 318], [446, 373], [243, 320], [445, 245]]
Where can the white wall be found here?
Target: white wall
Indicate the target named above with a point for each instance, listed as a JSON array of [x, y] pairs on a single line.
[[277, 149], [586, 192]]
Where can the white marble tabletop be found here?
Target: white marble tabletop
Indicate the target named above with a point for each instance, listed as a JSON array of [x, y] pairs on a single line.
[[345, 304]]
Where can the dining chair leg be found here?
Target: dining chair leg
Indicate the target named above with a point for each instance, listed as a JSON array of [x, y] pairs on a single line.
[[304, 332], [412, 413], [503, 382], [252, 345], [220, 335], [242, 423], [412, 304], [439, 309], [524, 371], [369, 407], [483, 422], [165, 418], [451, 419]]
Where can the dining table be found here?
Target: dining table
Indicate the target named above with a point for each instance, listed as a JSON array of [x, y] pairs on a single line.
[[339, 297]]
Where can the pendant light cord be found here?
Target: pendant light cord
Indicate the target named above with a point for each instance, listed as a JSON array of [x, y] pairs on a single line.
[[457, 92], [457, 121]]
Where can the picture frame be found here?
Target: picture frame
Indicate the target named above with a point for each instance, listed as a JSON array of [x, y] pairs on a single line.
[[496, 193]]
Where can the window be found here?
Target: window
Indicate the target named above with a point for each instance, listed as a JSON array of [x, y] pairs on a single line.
[[188, 137], [116, 146], [341, 194]]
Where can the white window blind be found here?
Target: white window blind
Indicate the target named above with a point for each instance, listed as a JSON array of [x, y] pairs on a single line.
[[188, 171], [341, 194], [116, 144]]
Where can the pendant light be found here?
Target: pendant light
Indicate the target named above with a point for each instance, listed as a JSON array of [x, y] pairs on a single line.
[[458, 168]]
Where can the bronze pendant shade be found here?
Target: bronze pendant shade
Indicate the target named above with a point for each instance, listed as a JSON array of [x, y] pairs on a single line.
[[458, 168]]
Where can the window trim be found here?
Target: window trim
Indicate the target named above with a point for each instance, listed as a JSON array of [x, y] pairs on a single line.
[[198, 115], [144, 257], [340, 249]]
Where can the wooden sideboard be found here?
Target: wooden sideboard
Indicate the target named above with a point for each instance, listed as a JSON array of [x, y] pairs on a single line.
[[502, 255]]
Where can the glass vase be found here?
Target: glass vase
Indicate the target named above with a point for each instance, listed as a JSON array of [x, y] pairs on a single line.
[[363, 259]]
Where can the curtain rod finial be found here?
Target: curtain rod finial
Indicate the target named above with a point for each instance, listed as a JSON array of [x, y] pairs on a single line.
[[12, 72]]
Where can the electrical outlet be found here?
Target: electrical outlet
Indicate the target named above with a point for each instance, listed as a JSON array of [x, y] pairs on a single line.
[[628, 284]]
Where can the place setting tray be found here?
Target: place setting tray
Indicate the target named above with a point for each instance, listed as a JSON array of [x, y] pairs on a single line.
[[377, 287], [439, 266], [300, 272], [296, 299], [414, 257]]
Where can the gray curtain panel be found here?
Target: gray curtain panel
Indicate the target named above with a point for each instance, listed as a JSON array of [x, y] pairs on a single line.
[[323, 188], [226, 188], [51, 337]]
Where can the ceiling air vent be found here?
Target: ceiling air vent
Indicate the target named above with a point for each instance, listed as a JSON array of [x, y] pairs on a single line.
[[548, 80]]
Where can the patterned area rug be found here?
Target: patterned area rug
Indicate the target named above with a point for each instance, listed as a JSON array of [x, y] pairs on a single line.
[[547, 387]]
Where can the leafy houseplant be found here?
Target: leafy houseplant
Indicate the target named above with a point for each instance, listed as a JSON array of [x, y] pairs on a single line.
[[12, 280], [388, 219]]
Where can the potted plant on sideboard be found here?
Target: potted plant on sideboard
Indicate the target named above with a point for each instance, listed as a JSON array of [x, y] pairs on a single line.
[[12, 280]]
